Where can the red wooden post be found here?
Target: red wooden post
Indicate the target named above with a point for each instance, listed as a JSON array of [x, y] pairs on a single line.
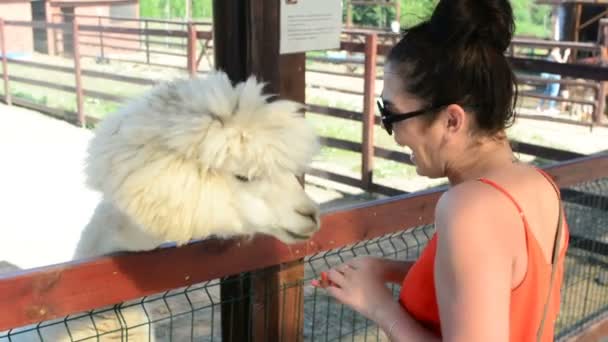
[[147, 41], [78, 75], [7, 90], [56, 35], [192, 65], [598, 113], [101, 49], [369, 97]]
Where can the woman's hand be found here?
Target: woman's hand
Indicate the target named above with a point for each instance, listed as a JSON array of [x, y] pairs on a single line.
[[359, 283]]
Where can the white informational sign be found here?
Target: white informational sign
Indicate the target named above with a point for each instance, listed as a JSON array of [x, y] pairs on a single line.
[[308, 25]]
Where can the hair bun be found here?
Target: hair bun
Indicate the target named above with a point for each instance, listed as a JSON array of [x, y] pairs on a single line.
[[488, 22]]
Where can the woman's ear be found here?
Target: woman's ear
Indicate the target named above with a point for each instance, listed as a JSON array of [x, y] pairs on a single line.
[[455, 118]]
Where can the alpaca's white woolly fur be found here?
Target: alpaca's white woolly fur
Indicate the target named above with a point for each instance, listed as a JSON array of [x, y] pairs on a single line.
[[172, 164], [192, 159]]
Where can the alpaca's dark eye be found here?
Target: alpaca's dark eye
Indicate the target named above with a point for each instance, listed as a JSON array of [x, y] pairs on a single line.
[[241, 178]]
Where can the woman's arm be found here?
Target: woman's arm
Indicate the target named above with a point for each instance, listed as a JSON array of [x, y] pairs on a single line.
[[399, 326], [394, 271], [359, 284], [474, 263]]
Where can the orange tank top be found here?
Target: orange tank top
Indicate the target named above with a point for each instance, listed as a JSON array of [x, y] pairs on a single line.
[[418, 296]]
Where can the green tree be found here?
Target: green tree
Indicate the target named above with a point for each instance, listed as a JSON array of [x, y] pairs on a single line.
[[530, 19], [172, 9]]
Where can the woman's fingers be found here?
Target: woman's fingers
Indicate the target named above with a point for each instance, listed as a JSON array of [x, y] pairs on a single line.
[[345, 268], [337, 293], [336, 277], [340, 273]]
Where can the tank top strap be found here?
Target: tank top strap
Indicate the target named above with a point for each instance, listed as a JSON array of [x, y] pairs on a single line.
[[550, 180], [508, 195]]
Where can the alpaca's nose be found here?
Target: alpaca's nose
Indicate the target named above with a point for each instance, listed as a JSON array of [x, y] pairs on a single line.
[[309, 213]]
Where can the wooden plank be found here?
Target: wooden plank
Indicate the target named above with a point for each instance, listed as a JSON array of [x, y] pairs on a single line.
[[593, 331], [139, 20], [332, 176], [393, 155], [383, 50], [548, 118], [136, 31], [58, 290], [126, 48], [334, 73], [556, 98], [586, 199], [45, 84], [590, 245], [543, 43], [589, 72], [44, 66], [544, 152], [579, 170], [337, 112], [119, 78], [39, 25], [179, 67], [87, 73], [61, 114], [340, 90], [69, 89], [529, 79]]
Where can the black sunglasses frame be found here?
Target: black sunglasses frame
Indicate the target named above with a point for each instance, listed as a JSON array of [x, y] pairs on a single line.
[[388, 118]]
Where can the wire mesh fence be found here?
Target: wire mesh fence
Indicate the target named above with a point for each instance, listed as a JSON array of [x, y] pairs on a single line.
[[585, 287], [201, 312]]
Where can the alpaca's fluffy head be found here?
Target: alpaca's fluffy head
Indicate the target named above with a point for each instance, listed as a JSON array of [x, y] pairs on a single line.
[[199, 157]]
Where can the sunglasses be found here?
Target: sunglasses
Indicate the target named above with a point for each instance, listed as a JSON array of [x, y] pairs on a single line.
[[388, 118]]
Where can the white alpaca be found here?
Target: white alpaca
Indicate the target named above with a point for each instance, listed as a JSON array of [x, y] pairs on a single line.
[[188, 160]]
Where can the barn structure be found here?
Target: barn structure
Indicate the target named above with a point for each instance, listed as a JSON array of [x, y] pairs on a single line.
[[25, 40]]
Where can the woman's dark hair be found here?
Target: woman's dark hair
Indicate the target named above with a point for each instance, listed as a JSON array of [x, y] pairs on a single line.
[[457, 56]]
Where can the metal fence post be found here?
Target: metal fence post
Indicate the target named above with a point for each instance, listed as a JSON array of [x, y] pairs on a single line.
[[192, 66], [7, 90], [369, 96], [101, 50], [78, 75], [147, 41]]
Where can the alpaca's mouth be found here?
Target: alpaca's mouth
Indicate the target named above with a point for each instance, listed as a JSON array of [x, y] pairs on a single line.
[[296, 236]]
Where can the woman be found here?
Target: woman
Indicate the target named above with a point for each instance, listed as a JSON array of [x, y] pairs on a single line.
[[552, 89], [485, 275]]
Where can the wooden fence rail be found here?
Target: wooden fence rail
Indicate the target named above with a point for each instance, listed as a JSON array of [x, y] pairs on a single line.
[[59, 290]]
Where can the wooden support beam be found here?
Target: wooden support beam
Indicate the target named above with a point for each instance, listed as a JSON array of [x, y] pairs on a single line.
[[230, 51], [247, 43]]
